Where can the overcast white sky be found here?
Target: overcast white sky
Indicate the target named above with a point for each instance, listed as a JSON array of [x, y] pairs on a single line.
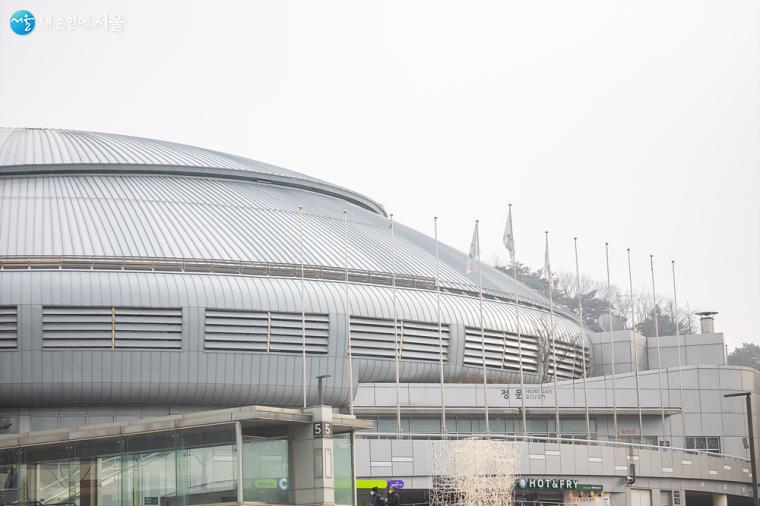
[[634, 122]]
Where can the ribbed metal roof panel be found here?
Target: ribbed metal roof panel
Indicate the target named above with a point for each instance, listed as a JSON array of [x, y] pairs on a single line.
[[187, 217], [34, 146], [34, 150]]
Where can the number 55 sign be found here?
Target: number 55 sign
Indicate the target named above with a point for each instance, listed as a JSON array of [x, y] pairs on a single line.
[[322, 430]]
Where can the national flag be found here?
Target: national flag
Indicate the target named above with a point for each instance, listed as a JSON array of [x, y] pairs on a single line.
[[509, 237], [473, 256], [547, 272]]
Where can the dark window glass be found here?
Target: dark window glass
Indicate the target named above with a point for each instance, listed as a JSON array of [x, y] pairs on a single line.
[[8, 424]]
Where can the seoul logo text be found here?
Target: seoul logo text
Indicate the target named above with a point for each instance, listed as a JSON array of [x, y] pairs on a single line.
[[22, 22]]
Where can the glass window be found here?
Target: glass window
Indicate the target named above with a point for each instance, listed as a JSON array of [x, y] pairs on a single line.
[[498, 424], [99, 419], [344, 493], [426, 425], [479, 424], [53, 473], [8, 477], [690, 443], [266, 470], [385, 424], [42, 422], [153, 475], [573, 425], [464, 425], [206, 465], [8, 424], [69, 421], [713, 444], [156, 469], [537, 425], [517, 425]]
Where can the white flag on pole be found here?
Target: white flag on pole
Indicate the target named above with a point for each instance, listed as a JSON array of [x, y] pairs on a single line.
[[509, 237], [547, 272], [474, 254]]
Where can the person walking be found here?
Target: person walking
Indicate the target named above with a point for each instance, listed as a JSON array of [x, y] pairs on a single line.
[[374, 498], [393, 497]]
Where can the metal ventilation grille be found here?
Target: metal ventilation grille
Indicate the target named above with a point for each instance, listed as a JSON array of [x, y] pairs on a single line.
[[502, 350], [371, 337], [569, 360], [264, 331], [111, 327], [8, 327]]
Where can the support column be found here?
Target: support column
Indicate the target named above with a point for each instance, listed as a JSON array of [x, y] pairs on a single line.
[[239, 461], [312, 457]]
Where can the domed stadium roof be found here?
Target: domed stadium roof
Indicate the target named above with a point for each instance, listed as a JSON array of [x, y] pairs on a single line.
[[114, 196], [37, 150]]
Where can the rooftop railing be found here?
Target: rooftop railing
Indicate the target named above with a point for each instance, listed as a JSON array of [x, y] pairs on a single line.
[[245, 267]]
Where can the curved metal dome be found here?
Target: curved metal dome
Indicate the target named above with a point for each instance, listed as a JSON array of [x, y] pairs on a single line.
[[41, 150], [84, 201], [155, 239]]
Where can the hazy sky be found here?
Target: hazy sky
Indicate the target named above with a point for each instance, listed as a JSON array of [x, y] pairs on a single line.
[[634, 122]]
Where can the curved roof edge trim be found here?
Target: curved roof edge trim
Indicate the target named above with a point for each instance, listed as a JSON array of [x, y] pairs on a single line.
[[193, 171]]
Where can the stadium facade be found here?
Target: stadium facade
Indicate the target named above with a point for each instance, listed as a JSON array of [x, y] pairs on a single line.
[[143, 283]]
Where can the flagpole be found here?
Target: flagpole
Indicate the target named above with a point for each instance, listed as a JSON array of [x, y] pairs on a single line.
[[612, 341], [551, 336], [303, 307], [634, 351], [440, 327], [395, 327], [482, 328], [678, 352], [347, 309], [517, 317], [657, 337], [583, 337]]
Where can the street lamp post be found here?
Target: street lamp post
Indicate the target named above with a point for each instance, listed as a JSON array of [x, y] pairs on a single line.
[[753, 463]]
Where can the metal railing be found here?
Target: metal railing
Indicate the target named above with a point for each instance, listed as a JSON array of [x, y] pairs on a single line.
[[243, 267]]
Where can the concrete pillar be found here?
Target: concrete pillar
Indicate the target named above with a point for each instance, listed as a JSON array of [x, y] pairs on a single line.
[[720, 500], [312, 459]]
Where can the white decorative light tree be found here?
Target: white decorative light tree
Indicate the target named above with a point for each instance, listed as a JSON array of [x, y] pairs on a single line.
[[472, 472]]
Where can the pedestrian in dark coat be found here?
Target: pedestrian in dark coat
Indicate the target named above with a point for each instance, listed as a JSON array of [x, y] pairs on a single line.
[[374, 498], [393, 497]]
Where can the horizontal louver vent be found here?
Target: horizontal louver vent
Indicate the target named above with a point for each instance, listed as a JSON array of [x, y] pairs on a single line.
[[107, 327], [502, 350], [371, 337], [570, 360], [263, 331], [8, 327]]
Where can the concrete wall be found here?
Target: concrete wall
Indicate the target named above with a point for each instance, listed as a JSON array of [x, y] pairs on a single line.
[[697, 349], [623, 345]]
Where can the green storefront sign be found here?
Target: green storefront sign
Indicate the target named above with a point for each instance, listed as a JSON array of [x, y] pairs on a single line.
[[555, 484]]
